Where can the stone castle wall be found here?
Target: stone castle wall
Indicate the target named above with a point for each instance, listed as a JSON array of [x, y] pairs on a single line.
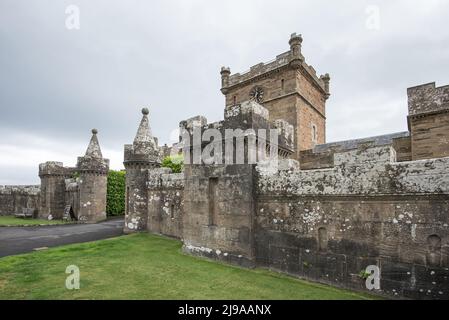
[[367, 209], [342, 207], [326, 225], [165, 202], [13, 199]]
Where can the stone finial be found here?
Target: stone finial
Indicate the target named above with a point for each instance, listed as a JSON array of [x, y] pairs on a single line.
[[295, 50], [295, 39], [326, 78], [225, 73], [144, 140], [93, 150]]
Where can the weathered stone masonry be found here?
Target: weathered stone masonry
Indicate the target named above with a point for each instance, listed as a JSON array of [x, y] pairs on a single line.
[[81, 189], [14, 199], [331, 209]]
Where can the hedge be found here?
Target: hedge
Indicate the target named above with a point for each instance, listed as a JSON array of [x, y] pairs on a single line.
[[115, 204]]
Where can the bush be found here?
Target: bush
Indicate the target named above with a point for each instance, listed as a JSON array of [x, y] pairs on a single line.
[[115, 204], [176, 163]]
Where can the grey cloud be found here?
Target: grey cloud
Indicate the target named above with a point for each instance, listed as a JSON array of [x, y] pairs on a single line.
[[58, 84]]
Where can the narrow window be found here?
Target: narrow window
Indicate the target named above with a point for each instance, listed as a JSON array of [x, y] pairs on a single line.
[[433, 257], [172, 211], [234, 100], [282, 84], [212, 201], [322, 239], [314, 134]]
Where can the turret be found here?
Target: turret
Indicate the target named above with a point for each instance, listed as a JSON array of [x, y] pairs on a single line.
[[92, 182], [428, 121], [140, 156], [296, 57], [225, 73], [326, 79]]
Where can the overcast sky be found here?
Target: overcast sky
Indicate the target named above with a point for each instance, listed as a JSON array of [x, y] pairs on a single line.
[[56, 84]]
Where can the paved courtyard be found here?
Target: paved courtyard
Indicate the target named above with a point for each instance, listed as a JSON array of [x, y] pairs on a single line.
[[16, 240]]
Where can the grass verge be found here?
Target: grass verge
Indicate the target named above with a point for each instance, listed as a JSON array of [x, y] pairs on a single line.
[[145, 266]]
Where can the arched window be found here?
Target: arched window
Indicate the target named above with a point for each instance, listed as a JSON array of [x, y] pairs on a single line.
[[322, 239], [433, 257]]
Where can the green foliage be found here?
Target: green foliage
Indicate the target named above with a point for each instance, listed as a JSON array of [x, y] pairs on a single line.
[[115, 204], [363, 274], [176, 163], [75, 175]]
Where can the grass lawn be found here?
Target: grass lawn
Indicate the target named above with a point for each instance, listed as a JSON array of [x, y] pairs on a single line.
[[13, 221], [144, 266]]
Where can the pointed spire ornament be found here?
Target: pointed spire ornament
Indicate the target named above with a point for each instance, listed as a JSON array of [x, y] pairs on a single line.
[[94, 150], [144, 141]]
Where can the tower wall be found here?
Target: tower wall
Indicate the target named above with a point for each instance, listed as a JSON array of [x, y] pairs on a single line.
[[291, 91], [429, 121], [52, 200], [136, 197], [92, 197]]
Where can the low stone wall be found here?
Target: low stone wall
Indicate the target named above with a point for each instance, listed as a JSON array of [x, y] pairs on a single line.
[[165, 202], [13, 199], [329, 224]]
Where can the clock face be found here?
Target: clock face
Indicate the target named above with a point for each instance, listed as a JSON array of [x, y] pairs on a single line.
[[256, 94]]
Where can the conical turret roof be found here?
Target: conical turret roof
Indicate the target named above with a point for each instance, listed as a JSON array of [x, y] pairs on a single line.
[[94, 150], [144, 141]]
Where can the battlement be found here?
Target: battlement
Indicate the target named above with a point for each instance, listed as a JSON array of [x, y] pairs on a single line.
[[25, 190], [427, 98], [363, 171], [249, 117], [163, 178], [54, 168], [289, 59], [93, 165]]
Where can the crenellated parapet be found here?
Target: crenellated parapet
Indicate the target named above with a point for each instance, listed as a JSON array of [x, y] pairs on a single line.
[[427, 98], [292, 59], [54, 168], [164, 179], [247, 120], [428, 121], [367, 169]]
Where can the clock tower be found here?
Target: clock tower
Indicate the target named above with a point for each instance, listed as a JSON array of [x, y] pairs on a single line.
[[289, 88]]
